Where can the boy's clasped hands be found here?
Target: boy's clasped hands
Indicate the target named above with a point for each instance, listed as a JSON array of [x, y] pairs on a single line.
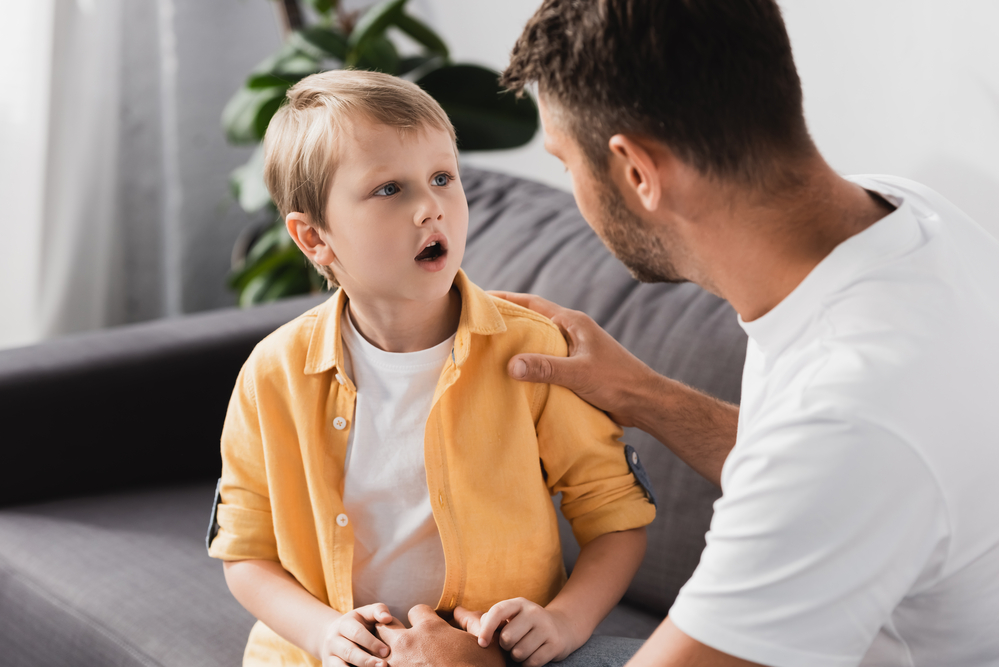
[[530, 633]]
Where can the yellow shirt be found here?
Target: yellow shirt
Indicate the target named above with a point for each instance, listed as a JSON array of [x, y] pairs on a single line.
[[495, 449]]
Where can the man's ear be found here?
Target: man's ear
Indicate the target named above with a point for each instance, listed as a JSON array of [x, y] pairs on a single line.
[[308, 239], [636, 168]]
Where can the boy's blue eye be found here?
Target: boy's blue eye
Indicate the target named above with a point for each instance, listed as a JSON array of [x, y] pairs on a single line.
[[441, 179], [387, 190]]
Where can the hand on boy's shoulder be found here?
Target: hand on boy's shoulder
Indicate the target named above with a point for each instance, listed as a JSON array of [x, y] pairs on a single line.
[[432, 642], [540, 329], [598, 369]]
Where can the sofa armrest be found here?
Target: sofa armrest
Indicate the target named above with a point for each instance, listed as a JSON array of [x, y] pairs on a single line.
[[127, 407]]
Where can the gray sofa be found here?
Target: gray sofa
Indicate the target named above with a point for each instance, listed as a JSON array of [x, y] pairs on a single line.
[[110, 448]]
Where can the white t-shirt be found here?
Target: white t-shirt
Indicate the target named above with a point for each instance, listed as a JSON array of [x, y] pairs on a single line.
[[398, 555], [859, 521]]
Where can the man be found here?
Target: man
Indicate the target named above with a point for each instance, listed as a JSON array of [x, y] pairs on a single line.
[[858, 520]]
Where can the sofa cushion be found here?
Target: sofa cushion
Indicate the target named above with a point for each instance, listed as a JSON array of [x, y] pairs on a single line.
[[123, 580], [116, 580], [526, 237]]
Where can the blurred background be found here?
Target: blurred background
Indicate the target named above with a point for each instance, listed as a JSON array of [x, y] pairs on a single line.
[[115, 204]]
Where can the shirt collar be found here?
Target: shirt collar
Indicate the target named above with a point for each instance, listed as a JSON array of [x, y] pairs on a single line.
[[886, 239], [479, 315]]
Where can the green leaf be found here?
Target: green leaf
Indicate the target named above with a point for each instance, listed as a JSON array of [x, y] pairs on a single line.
[[270, 244], [287, 278], [250, 295], [292, 280], [378, 54], [248, 112], [323, 7], [274, 239], [422, 33], [286, 66], [260, 81], [407, 65], [273, 63], [484, 115], [371, 25], [266, 265], [321, 42], [248, 183], [296, 66]]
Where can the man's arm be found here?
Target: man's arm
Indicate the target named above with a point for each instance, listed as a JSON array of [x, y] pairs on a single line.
[[670, 647], [699, 429]]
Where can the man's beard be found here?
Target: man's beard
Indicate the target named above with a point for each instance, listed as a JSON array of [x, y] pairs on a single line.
[[638, 248]]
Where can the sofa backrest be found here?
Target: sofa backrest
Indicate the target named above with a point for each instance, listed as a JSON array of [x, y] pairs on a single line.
[[143, 405], [130, 407], [527, 237]]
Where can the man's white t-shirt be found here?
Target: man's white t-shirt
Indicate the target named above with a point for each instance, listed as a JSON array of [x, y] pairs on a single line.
[[398, 554], [859, 521]]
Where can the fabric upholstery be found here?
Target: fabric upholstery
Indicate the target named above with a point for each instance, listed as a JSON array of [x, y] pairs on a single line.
[[119, 579]]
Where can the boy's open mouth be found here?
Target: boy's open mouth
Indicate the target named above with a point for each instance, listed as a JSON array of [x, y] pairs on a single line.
[[432, 251]]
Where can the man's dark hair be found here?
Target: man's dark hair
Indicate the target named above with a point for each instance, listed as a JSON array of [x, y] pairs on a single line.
[[714, 80]]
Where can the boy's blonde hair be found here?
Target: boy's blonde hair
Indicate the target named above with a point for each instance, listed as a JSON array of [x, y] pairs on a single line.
[[301, 143]]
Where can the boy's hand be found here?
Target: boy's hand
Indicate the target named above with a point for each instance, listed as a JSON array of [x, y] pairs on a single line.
[[349, 640], [468, 620], [533, 635]]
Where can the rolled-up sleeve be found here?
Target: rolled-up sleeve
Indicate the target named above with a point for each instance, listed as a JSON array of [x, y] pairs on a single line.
[[584, 460], [245, 525]]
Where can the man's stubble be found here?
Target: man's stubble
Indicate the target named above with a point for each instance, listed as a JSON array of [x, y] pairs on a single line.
[[628, 237]]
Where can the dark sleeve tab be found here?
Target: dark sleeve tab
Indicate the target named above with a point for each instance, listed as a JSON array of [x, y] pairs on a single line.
[[213, 524], [639, 472]]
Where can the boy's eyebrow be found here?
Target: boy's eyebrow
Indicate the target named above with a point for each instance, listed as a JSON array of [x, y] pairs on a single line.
[[378, 171]]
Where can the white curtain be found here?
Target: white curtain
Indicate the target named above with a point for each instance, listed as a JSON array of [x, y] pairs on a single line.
[[59, 114]]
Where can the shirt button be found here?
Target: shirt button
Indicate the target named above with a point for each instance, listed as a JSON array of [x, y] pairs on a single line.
[[339, 423], [339, 378], [341, 520], [440, 497], [634, 458]]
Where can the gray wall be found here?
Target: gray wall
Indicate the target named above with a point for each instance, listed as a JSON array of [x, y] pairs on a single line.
[[177, 255]]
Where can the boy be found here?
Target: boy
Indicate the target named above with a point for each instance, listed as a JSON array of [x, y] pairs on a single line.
[[375, 453]]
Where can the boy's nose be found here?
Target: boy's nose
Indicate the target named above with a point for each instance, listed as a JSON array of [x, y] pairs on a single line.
[[429, 210]]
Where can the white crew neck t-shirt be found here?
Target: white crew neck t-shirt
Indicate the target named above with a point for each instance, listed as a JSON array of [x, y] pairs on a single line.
[[859, 521], [398, 555]]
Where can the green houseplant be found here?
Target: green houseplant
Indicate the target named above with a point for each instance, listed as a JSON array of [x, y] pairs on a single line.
[[266, 263]]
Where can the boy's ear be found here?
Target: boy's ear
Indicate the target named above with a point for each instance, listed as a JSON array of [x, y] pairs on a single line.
[[308, 239]]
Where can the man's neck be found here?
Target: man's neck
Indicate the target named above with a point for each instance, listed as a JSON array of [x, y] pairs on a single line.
[[755, 250], [406, 326]]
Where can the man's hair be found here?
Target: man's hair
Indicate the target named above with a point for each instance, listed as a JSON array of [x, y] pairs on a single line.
[[713, 80], [301, 145]]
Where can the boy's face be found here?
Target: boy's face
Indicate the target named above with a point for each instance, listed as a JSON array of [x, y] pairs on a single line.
[[396, 215]]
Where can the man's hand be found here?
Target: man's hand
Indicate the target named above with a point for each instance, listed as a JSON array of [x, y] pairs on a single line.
[[532, 634], [698, 428], [349, 640], [598, 369], [431, 642]]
